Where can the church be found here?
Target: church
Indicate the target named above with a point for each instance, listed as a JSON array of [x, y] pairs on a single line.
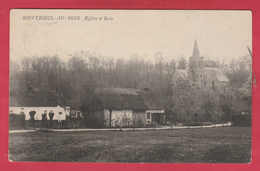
[[199, 75]]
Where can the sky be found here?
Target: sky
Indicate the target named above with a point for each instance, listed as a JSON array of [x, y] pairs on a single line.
[[219, 34]]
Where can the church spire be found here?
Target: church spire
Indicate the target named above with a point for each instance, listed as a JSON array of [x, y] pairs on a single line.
[[196, 49]]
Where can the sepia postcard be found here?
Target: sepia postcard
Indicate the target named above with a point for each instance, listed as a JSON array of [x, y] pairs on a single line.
[[130, 86]]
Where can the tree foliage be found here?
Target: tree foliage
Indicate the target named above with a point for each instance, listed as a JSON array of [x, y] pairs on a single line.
[[76, 79]]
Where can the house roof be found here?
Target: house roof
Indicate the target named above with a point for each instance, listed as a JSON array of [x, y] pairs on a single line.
[[125, 98], [168, 111], [32, 99], [150, 101], [119, 98], [221, 76]]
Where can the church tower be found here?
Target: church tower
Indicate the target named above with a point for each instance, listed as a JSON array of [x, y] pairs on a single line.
[[196, 67]]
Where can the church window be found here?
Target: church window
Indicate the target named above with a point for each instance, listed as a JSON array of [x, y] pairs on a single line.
[[213, 85]]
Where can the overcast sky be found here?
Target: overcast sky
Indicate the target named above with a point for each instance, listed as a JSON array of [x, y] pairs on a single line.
[[219, 34]]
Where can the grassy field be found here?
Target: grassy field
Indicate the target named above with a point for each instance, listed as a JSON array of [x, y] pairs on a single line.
[[207, 145]]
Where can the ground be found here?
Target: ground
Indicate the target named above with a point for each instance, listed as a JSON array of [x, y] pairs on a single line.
[[202, 145]]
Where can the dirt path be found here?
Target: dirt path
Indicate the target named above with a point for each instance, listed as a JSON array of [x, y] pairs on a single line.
[[123, 129]]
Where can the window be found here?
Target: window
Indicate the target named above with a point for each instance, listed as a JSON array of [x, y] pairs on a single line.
[[21, 113], [213, 85], [60, 113], [22, 108], [148, 115], [221, 87], [224, 88]]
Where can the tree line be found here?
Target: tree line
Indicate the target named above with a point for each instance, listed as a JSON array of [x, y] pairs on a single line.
[[74, 79]]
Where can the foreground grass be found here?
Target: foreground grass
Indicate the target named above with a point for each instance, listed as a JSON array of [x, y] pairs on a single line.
[[207, 145]]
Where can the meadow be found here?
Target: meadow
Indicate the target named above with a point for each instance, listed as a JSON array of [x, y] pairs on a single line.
[[202, 145]]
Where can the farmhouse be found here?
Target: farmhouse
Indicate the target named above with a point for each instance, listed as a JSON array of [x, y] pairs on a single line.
[[199, 75], [125, 107], [24, 102]]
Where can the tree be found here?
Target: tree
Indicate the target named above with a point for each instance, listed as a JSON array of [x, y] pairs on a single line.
[[32, 114], [182, 63], [209, 102], [187, 102], [226, 103], [51, 115], [211, 63]]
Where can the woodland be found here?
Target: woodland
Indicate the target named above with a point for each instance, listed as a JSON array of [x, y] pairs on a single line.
[[75, 79]]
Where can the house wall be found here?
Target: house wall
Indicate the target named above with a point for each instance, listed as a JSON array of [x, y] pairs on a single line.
[[123, 118], [139, 118], [39, 111]]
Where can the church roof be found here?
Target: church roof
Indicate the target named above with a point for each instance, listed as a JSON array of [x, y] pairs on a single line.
[[195, 50], [183, 73], [221, 76]]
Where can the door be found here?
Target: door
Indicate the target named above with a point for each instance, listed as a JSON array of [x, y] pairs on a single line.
[[157, 118]]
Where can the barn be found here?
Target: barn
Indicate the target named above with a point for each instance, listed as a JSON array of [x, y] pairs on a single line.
[[124, 107]]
